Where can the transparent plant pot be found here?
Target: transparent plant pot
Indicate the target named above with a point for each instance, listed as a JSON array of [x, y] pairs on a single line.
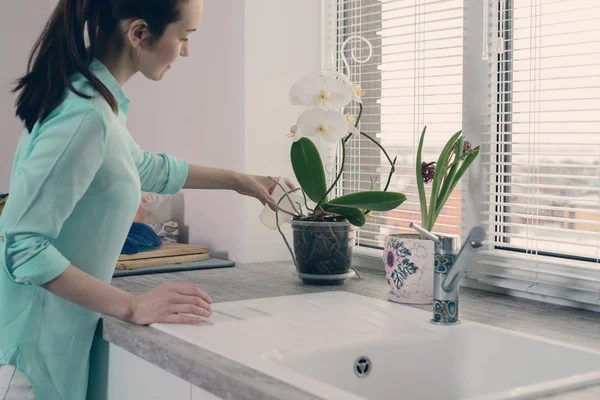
[[323, 250]]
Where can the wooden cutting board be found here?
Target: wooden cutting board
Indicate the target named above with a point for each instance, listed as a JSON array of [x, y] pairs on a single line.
[[167, 254], [167, 249], [156, 262]]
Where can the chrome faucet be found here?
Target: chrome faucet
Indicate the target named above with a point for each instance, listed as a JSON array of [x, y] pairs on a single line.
[[449, 270], [450, 266]]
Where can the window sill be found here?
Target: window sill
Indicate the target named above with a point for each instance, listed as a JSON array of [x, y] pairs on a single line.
[[367, 258], [508, 283]]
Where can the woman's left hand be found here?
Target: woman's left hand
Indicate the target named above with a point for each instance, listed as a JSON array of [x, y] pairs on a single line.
[[260, 187]]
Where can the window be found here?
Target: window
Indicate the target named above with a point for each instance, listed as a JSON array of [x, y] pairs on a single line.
[[413, 79], [547, 130], [542, 151], [528, 93]]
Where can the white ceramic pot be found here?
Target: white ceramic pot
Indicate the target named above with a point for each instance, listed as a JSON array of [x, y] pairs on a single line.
[[409, 268]]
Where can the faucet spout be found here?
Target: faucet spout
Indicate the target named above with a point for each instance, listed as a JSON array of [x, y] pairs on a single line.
[[448, 273], [463, 258]]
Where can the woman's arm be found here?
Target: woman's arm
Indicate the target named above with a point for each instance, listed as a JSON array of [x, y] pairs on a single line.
[[212, 178], [163, 304], [257, 186], [163, 173]]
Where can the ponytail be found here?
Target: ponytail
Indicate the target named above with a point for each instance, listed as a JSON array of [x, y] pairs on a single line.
[[60, 51], [57, 54]]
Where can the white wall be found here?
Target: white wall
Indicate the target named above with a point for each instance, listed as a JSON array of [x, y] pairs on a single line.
[[282, 45], [21, 23], [225, 106], [196, 113]]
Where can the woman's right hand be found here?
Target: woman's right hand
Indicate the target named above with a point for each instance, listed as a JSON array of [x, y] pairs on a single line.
[[168, 302]]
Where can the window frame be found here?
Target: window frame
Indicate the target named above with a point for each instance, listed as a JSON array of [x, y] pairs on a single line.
[[475, 103]]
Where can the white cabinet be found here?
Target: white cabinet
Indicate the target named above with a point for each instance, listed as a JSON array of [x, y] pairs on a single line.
[[132, 378], [116, 374]]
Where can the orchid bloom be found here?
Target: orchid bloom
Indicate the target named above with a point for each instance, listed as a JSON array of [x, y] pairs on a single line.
[[325, 91], [293, 133], [351, 127], [331, 125], [357, 92]]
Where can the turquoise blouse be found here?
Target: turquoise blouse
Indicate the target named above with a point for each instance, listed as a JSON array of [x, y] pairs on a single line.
[[74, 190]]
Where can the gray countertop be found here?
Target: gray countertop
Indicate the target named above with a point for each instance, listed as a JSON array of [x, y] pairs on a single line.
[[231, 380]]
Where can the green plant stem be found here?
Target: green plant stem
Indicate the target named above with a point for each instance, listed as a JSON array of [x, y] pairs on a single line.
[[277, 208], [300, 207], [305, 201], [392, 163], [360, 111], [378, 145], [284, 238], [392, 170], [344, 141], [285, 194]]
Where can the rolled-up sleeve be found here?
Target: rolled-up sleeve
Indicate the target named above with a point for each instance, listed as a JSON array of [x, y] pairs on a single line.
[[63, 158], [159, 173]]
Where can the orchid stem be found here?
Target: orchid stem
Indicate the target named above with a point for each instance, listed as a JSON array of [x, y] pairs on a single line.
[[299, 213], [344, 141], [284, 238], [277, 208]]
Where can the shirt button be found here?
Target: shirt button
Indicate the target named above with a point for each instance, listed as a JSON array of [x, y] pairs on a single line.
[[1, 238]]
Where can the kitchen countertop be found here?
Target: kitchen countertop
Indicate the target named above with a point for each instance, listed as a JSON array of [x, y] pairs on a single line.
[[231, 380]]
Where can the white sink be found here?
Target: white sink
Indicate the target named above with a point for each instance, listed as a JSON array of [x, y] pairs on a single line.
[[315, 341]]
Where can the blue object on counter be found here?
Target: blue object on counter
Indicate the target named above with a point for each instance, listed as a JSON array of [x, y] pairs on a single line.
[[140, 238]]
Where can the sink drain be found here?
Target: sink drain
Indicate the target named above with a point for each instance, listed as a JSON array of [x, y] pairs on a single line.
[[362, 367]]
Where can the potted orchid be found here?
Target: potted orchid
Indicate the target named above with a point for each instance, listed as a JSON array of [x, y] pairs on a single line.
[[324, 225], [410, 260]]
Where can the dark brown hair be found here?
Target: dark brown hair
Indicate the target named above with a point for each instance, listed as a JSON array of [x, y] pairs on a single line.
[[60, 51]]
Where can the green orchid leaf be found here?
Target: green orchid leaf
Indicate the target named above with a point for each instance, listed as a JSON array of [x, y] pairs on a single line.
[[353, 215], [373, 200], [308, 168]]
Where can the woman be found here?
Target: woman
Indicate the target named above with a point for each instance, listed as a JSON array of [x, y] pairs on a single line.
[[75, 188]]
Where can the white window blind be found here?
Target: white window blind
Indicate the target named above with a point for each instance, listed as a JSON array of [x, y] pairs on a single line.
[[542, 150], [414, 78]]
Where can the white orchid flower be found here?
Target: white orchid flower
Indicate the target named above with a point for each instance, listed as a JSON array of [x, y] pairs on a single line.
[[350, 119], [325, 91], [351, 127], [330, 125], [294, 133], [358, 92]]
